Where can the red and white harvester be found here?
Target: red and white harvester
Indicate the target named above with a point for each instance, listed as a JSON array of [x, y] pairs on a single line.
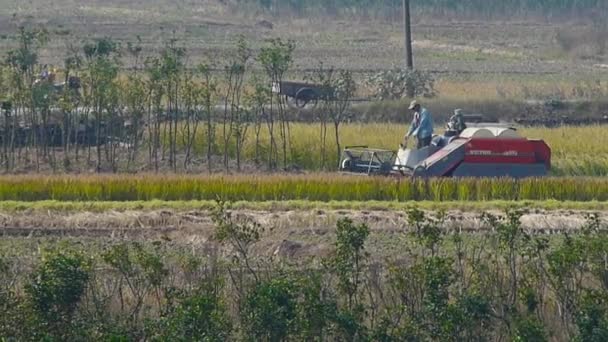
[[483, 151]]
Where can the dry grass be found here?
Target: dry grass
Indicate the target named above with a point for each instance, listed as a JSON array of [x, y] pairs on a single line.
[[524, 88]]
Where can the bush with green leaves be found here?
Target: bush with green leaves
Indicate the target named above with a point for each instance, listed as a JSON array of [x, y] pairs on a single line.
[[317, 307], [11, 321], [445, 285], [401, 83], [56, 289], [270, 310], [348, 264], [592, 316], [528, 329], [198, 316]]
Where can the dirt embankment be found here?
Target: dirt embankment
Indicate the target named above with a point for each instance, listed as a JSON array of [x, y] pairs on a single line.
[[293, 234]]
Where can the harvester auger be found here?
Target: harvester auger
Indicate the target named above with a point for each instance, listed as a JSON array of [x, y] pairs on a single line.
[[475, 152]]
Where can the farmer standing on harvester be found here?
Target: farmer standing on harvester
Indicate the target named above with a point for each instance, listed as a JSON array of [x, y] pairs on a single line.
[[421, 127]]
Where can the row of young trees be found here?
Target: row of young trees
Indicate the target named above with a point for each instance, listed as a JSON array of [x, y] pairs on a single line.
[[506, 285], [162, 114]]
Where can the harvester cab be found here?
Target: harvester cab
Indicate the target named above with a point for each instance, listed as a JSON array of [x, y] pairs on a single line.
[[490, 151]]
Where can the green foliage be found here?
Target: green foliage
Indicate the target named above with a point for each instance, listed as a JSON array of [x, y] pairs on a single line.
[[241, 233], [100, 48], [270, 310], [200, 316], [141, 275], [12, 320], [398, 83], [576, 258], [345, 86], [427, 289], [316, 308], [134, 260], [348, 265], [509, 230], [25, 57], [59, 283], [350, 257], [56, 289], [469, 318], [528, 329], [441, 286], [276, 58], [426, 229], [592, 317], [349, 325]]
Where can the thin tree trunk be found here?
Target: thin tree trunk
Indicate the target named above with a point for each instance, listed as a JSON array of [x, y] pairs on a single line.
[[339, 150]]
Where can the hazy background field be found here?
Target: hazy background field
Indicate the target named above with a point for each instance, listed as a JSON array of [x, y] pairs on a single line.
[[490, 50]]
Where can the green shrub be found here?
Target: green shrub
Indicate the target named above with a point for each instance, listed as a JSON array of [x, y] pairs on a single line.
[[200, 316], [592, 317], [528, 329], [56, 288], [499, 285], [270, 310]]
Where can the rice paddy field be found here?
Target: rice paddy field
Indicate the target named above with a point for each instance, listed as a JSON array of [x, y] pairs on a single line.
[[577, 183], [314, 187], [576, 151], [580, 151], [149, 238]]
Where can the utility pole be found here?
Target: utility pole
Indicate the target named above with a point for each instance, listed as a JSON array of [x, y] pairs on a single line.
[[407, 28]]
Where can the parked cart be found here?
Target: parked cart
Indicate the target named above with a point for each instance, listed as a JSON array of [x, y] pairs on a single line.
[[303, 94]]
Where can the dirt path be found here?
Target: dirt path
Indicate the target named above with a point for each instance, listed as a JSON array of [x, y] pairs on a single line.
[[289, 233]]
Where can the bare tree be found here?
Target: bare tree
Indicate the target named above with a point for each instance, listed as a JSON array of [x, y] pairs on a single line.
[[193, 95], [344, 89], [257, 99], [325, 78], [155, 95], [172, 70], [209, 92], [70, 100], [276, 58], [24, 63], [235, 78], [102, 66]]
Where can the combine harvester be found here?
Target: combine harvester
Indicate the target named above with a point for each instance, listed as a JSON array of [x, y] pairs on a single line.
[[475, 152]]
